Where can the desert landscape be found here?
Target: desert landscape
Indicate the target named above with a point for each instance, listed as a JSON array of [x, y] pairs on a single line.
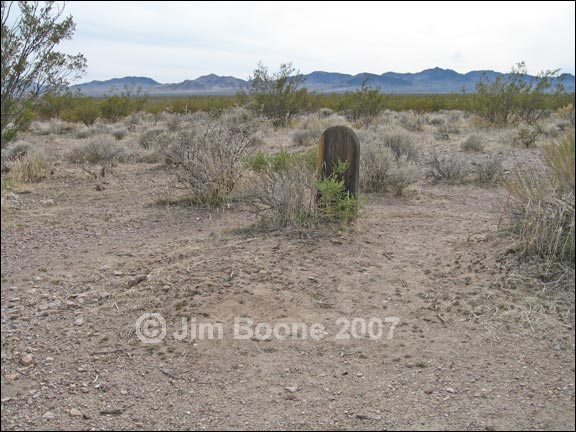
[[485, 339], [376, 232]]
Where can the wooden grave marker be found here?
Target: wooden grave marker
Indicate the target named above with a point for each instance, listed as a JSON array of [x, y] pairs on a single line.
[[340, 144]]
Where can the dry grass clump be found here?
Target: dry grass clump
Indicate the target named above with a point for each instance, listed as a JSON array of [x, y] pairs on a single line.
[[99, 150], [31, 167], [541, 207], [474, 144]]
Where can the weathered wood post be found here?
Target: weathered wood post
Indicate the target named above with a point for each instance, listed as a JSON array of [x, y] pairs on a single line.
[[340, 144]]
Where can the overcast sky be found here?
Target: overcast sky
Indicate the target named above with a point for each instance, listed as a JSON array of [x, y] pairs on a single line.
[[174, 41]]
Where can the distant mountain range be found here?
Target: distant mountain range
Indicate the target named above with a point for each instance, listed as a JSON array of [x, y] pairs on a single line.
[[430, 81]]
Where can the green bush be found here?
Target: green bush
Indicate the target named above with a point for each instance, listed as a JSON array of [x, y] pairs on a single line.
[[513, 97], [278, 96], [335, 203], [363, 104], [115, 108], [84, 110]]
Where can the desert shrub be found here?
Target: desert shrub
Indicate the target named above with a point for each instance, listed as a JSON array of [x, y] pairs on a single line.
[[526, 137], [99, 150], [488, 171], [173, 122], [541, 207], [451, 168], [435, 120], [402, 146], [152, 157], [564, 125], [116, 107], [53, 127], [149, 138], [363, 104], [399, 143], [513, 97], [85, 110], [325, 112], [311, 126], [208, 158], [303, 137], [83, 133], [402, 175], [444, 131], [120, 133], [334, 203], [17, 151], [412, 121], [282, 190], [30, 168], [285, 192], [277, 96], [474, 143], [382, 171]]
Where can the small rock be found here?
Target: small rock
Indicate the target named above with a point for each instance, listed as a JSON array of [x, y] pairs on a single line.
[[135, 280], [100, 188], [79, 322], [450, 390], [292, 389], [48, 415], [556, 347], [74, 412], [27, 360], [429, 391], [336, 241]]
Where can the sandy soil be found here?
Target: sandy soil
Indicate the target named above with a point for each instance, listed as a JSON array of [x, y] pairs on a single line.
[[476, 348]]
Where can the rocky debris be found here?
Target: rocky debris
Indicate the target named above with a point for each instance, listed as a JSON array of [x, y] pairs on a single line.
[[292, 389], [75, 412], [48, 415], [27, 360], [135, 280]]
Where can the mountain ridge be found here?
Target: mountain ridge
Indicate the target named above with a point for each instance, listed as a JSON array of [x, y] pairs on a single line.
[[433, 81]]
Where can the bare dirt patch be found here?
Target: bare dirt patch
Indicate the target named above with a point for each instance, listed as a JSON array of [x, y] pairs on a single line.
[[473, 351]]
